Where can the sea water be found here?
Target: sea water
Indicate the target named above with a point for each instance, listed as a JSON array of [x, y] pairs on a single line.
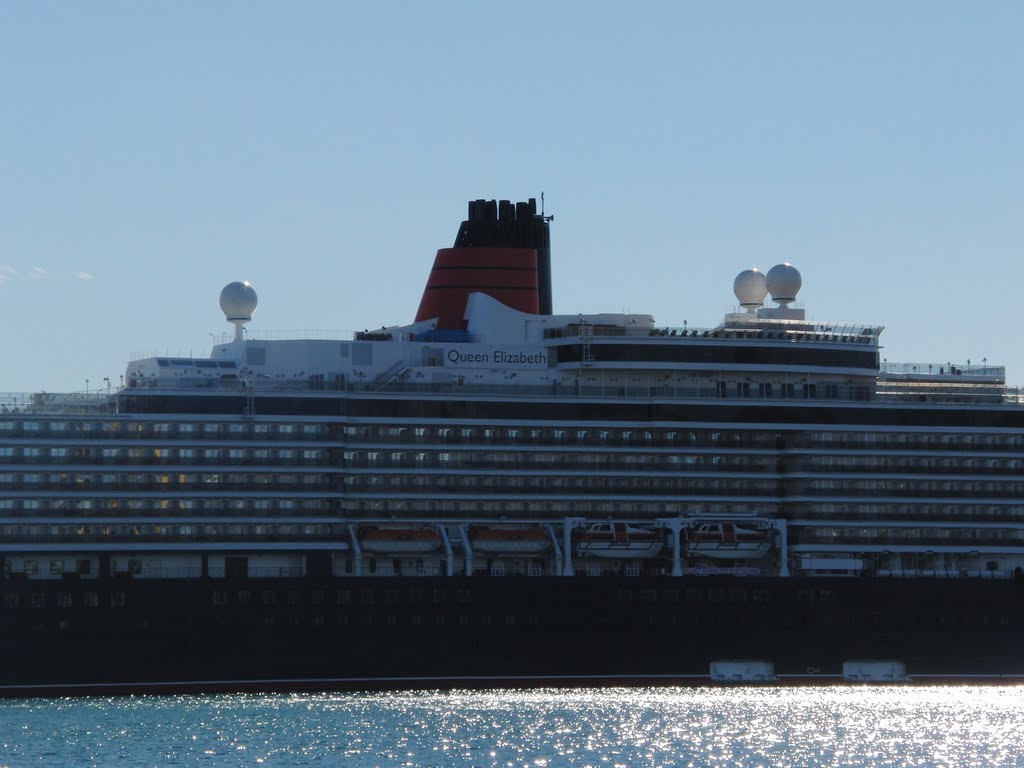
[[604, 728]]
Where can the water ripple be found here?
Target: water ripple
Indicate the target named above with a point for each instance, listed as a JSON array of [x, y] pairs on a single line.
[[848, 727]]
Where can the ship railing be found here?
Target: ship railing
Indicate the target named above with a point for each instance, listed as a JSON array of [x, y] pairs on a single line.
[[774, 329], [56, 402], [891, 391], [840, 393], [946, 369], [887, 393], [316, 334]]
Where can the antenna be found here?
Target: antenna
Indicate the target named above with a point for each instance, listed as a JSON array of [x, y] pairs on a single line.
[[545, 218]]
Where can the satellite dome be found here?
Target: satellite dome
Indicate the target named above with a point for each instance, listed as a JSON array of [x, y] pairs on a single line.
[[783, 282], [750, 288], [238, 301]]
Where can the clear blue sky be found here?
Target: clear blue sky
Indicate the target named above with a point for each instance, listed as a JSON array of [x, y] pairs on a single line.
[[152, 152]]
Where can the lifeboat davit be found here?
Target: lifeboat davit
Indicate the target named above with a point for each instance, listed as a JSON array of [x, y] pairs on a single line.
[[619, 540], [728, 541]]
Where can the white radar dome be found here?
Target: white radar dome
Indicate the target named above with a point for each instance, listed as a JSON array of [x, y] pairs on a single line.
[[784, 283], [238, 300], [750, 288]]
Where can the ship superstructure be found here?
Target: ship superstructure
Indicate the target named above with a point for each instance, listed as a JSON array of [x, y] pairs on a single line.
[[492, 461]]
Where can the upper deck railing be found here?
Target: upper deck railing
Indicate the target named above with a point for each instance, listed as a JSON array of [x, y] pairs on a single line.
[[57, 402], [944, 369], [831, 333], [944, 394], [318, 335]]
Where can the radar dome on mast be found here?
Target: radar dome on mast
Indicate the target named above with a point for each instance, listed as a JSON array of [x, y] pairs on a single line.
[[750, 288], [238, 301], [783, 281]]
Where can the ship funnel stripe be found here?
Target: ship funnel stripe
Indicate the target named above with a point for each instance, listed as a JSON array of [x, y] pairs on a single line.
[[506, 274]]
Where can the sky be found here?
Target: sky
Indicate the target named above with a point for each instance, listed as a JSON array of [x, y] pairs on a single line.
[[151, 152]]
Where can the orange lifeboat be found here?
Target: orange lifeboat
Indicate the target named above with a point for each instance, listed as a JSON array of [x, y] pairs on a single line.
[[520, 541], [405, 541], [619, 540], [728, 541]]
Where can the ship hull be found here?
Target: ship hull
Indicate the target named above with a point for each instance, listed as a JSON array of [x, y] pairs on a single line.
[[282, 633]]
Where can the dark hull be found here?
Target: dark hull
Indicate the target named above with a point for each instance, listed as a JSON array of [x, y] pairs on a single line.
[[246, 634]]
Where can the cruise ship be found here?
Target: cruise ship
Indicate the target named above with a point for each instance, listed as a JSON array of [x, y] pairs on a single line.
[[498, 494]]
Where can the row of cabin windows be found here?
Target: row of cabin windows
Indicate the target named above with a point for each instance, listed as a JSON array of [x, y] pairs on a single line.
[[714, 596], [158, 480], [907, 439], [88, 599], [595, 483], [145, 506], [417, 507], [366, 458], [502, 459], [905, 463], [560, 435], [923, 510], [559, 459], [882, 534], [215, 531], [483, 507], [545, 510], [144, 454], [767, 389], [31, 566], [520, 435], [907, 487], [422, 434], [125, 428]]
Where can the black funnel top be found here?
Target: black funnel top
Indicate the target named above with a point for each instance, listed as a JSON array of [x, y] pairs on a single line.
[[502, 224]]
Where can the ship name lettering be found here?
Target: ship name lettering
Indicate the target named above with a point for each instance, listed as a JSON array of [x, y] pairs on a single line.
[[519, 358], [499, 357]]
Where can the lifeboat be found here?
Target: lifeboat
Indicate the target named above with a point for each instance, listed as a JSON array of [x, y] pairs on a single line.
[[521, 541], [727, 541], [619, 540], [407, 541]]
